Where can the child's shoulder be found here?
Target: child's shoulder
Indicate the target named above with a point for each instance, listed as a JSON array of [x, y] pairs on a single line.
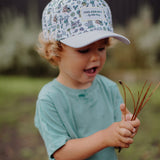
[[48, 90]]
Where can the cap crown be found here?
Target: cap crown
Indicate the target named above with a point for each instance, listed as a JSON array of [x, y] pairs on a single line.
[[66, 18]]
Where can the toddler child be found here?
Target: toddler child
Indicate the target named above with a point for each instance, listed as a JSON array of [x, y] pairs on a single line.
[[80, 114]]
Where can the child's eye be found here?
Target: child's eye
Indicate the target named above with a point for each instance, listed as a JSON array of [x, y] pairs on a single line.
[[101, 49], [83, 51]]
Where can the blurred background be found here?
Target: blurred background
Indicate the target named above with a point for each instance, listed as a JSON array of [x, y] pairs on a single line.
[[23, 72]]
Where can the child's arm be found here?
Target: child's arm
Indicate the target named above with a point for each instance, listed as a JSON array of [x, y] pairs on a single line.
[[119, 134]]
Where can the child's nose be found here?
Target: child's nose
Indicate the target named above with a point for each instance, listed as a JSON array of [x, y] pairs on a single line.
[[95, 55]]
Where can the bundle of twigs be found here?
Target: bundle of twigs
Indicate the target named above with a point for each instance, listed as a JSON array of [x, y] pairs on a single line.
[[141, 100]]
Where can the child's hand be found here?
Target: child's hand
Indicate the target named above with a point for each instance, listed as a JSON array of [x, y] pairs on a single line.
[[121, 133], [126, 115]]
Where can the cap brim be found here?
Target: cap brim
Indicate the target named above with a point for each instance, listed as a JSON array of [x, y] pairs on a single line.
[[87, 38]]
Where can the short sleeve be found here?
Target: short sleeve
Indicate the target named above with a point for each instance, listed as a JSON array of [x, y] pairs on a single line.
[[50, 126]]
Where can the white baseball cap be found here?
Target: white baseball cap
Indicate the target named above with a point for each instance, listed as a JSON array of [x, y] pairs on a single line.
[[78, 23]]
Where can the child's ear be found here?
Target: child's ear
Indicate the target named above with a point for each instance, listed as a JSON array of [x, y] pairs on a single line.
[[55, 55], [52, 56], [51, 51]]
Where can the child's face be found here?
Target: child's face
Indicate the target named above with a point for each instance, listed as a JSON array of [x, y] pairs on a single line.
[[78, 67]]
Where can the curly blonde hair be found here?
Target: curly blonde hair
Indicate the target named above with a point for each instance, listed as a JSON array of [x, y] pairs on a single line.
[[50, 49]]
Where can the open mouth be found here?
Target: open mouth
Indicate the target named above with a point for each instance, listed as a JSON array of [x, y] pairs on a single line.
[[91, 70]]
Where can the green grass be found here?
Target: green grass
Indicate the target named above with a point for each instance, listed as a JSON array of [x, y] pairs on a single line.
[[20, 140]]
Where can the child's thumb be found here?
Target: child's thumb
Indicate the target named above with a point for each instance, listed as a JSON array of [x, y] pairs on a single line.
[[124, 111]]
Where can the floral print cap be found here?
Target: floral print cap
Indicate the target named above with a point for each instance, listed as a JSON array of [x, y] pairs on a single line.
[[78, 23]]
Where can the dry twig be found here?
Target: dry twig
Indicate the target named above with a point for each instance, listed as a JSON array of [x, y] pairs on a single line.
[[141, 101]]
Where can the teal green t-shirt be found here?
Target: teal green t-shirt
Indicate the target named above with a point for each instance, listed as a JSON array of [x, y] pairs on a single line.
[[63, 113]]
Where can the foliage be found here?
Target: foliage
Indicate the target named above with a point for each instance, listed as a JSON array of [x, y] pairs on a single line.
[[144, 50], [18, 46]]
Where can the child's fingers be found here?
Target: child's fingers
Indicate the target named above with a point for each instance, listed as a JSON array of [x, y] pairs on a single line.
[[128, 117], [133, 134], [126, 140], [124, 109], [125, 132], [127, 125], [135, 123], [125, 112]]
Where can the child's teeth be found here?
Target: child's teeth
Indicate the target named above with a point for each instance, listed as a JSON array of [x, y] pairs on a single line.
[[90, 70]]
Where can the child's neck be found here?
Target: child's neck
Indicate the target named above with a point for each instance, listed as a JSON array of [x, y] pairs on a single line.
[[73, 84]]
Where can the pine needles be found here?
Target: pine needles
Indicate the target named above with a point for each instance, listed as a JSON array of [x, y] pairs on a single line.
[[142, 98]]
